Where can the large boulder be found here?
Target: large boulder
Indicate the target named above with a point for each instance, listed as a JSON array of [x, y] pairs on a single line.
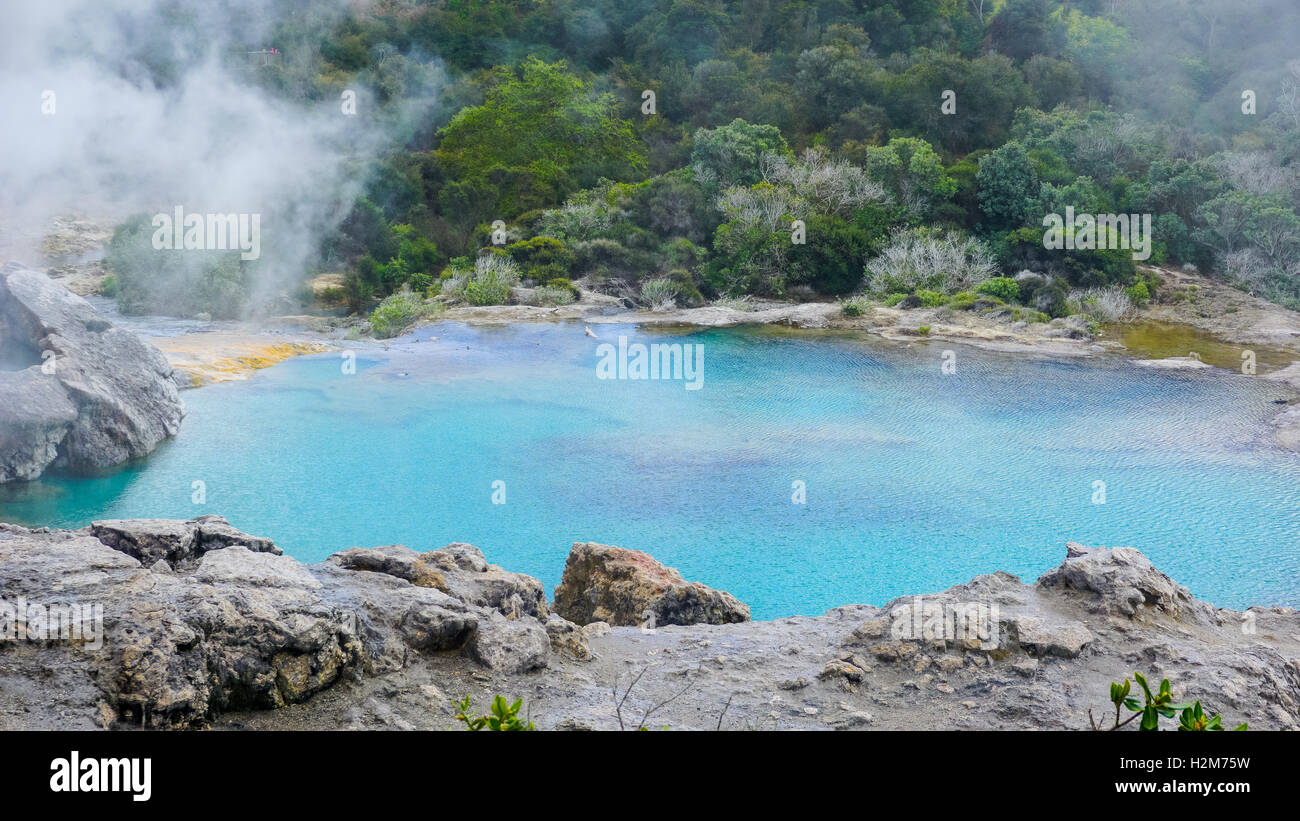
[[458, 569], [628, 587], [75, 392], [1120, 580], [155, 648], [178, 621]]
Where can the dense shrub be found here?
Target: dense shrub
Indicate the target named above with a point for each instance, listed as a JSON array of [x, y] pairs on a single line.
[[396, 313], [1004, 288], [491, 281], [659, 294], [927, 259]]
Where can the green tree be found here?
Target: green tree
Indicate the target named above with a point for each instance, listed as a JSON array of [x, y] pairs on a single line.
[[1023, 28], [542, 129], [731, 154], [912, 173], [1008, 185]]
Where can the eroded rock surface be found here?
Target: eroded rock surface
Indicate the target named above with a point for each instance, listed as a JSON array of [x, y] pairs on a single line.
[[198, 618], [75, 392], [237, 635], [628, 587]]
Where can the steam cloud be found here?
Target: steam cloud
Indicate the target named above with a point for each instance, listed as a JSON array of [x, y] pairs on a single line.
[[205, 137]]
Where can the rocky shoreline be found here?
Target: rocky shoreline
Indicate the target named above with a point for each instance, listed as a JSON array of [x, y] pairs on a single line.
[[207, 627]]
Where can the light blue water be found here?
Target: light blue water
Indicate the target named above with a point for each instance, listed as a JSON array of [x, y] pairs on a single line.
[[915, 480]]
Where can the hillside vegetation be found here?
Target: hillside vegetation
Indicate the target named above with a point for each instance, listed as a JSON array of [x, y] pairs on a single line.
[[662, 150]]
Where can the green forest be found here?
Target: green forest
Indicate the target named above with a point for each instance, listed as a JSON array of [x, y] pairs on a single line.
[[675, 152]]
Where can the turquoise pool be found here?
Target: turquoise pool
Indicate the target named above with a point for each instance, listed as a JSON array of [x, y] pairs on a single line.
[[914, 480]]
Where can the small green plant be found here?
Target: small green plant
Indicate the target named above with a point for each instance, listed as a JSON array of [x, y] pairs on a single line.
[[894, 299], [931, 299], [924, 330], [736, 303], [854, 306], [564, 283], [659, 294], [396, 313], [1191, 716], [1004, 288], [548, 296], [490, 283], [1139, 293], [962, 301], [504, 716]]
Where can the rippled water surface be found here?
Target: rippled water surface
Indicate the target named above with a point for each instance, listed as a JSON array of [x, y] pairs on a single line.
[[915, 480]]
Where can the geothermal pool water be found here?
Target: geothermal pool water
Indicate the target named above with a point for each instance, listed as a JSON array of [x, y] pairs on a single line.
[[914, 480]]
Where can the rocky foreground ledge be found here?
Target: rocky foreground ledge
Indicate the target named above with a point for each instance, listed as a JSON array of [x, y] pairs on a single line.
[[206, 626]]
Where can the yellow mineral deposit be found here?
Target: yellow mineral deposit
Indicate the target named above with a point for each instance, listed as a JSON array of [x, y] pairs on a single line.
[[224, 356]]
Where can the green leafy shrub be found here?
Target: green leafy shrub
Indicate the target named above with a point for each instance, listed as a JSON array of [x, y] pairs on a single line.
[[1154, 706], [457, 265], [931, 299], [963, 301], [1139, 293], [490, 283], [562, 283], [1004, 288], [924, 330], [893, 299], [688, 292], [542, 258], [396, 313], [504, 716]]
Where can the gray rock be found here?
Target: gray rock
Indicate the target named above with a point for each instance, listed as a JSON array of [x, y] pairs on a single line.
[[398, 561], [178, 543], [471, 579], [510, 646], [1124, 581], [568, 638], [110, 396], [239, 627], [430, 627], [35, 416], [1049, 637]]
